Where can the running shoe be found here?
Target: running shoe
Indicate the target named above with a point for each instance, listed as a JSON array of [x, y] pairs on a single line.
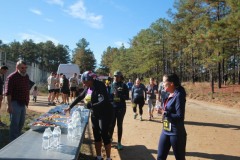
[[119, 146], [141, 118], [135, 115]]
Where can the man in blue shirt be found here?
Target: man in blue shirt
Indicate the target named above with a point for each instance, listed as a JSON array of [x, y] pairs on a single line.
[[129, 85]]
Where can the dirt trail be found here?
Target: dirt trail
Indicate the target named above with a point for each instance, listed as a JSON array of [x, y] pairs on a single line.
[[213, 133]]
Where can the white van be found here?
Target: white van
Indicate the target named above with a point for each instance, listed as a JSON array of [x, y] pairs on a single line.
[[68, 70]]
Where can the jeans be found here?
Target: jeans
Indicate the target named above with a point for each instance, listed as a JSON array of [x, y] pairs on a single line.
[[17, 119]]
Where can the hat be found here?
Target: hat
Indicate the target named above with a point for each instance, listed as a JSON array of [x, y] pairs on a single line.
[[88, 75], [118, 73]]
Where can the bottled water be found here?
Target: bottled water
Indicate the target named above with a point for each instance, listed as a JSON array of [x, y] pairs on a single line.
[[50, 135], [45, 140], [74, 129], [55, 138], [59, 135], [70, 130], [78, 127]]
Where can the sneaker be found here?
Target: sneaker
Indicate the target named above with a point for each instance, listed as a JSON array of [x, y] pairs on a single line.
[[135, 115], [150, 118], [119, 146], [141, 118], [2, 124]]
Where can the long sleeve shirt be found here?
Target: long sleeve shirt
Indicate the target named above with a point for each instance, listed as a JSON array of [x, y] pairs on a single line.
[[17, 86]]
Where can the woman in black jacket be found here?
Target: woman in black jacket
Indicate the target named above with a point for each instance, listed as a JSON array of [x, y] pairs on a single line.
[[119, 94], [96, 98]]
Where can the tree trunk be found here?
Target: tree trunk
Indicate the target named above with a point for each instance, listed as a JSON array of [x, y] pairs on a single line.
[[193, 70], [238, 47], [211, 80], [223, 70], [234, 69], [219, 74]]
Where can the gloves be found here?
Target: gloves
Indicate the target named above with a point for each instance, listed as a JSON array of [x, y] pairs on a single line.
[[89, 105]]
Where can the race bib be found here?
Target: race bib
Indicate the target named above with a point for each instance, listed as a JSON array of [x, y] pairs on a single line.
[[116, 99], [166, 125]]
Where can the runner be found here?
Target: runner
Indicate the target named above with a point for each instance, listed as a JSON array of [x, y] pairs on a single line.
[[119, 92], [96, 99], [138, 96]]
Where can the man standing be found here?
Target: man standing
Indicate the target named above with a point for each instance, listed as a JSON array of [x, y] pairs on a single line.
[[3, 71], [17, 92], [73, 82], [51, 88], [129, 85]]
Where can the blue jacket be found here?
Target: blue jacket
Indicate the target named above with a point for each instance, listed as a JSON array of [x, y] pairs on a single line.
[[175, 109]]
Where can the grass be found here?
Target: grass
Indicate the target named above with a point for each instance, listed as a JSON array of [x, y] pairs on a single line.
[[4, 131]]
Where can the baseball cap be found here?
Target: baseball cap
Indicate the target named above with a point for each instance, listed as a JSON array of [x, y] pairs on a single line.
[[118, 73], [88, 75]]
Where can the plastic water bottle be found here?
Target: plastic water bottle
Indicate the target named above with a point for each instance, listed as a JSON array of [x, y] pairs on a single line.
[[55, 137], [78, 127], [74, 129], [70, 130], [59, 135], [45, 140], [50, 139]]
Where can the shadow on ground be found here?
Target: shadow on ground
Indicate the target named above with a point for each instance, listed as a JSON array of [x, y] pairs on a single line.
[[212, 156], [136, 152], [212, 125]]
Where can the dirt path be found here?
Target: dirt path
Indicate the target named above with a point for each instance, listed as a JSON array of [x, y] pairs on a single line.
[[213, 133]]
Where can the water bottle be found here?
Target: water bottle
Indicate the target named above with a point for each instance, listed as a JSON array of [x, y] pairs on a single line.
[[78, 127], [74, 128], [70, 130], [59, 135], [50, 137], [55, 137], [45, 140]]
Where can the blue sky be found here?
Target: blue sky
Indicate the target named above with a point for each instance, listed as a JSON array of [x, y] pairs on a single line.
[[102, 23]]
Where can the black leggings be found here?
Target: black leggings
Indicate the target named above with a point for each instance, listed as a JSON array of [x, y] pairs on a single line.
[[138, 101], [140, 108], [101, 126], [118, 115]]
